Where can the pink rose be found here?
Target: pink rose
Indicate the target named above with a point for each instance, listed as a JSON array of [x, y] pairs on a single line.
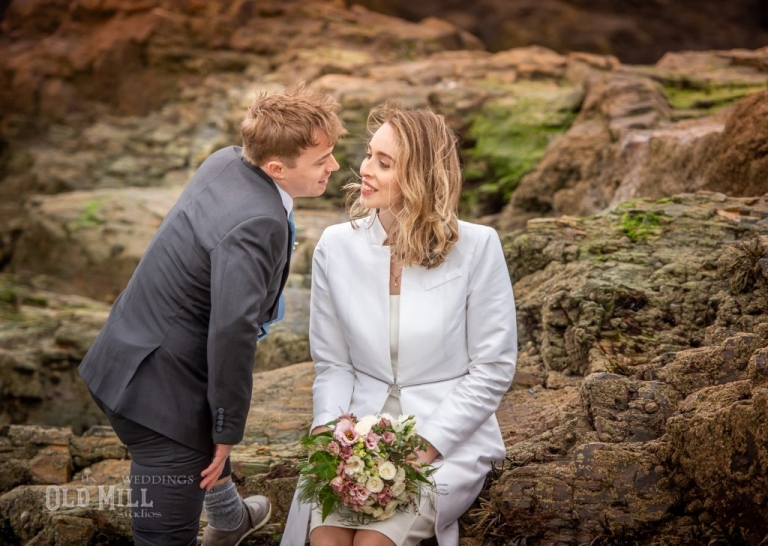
[[345, 432], [372, 440], [358, 494], [384, 423], [388, 437], [333, 447], [384, 496], [346, 452], [337, 483]]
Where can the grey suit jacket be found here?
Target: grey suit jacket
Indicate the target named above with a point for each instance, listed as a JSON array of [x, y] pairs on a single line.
[[177, 351]]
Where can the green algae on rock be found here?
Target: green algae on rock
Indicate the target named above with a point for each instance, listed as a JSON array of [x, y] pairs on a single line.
[[510, 135]]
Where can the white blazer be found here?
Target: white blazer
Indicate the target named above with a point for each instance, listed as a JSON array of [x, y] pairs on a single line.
[[457, 352]]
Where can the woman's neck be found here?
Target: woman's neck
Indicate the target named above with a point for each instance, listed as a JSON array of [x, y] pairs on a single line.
[[387, 220]]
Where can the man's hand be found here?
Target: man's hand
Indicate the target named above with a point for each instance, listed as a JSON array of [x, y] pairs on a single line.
[[211, 474]]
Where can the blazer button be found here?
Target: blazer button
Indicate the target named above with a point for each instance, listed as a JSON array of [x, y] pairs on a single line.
[[220, 410], [219, 429], [220, 422]]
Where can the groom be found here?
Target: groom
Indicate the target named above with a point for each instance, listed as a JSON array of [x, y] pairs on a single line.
[[172, 367]]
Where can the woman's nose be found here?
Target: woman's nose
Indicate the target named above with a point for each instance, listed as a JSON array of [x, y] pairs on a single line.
[[364, 172]]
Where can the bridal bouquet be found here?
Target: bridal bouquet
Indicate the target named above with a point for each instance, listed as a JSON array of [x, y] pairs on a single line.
[[365, 470]]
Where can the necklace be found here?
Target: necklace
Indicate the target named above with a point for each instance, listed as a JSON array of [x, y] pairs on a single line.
[[396, 277]]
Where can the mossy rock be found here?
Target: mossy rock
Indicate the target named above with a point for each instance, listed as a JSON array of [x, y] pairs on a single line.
[[690, 99], [509, 136], [640, 225]]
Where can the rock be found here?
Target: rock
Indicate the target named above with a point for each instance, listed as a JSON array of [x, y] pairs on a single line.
[[105, 231], [38, 455], [96, 444], [627, 142], [187, 42], [718, 447], [624, 410], [695, 369], [738, 164], [637, 33], [70, 513], [51, 465], [43, 337], [612, 319]]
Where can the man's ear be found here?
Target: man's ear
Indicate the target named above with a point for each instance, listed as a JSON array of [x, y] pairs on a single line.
[[275, 169]]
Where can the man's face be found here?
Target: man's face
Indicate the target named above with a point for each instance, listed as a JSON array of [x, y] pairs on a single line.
[[308, 177]]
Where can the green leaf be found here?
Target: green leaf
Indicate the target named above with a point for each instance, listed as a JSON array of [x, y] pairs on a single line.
[[325, 470], [321, 456], [329, 503]]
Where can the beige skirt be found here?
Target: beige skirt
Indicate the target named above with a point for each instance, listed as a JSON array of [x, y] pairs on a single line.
[[404, 528]]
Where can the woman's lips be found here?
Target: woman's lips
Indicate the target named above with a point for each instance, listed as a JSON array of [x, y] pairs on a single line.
[[367, 189]]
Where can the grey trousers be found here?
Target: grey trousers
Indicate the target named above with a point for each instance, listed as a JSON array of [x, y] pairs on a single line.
[[166, 499]]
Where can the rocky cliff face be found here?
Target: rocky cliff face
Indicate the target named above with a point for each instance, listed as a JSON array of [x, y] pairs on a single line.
[[629, 197]]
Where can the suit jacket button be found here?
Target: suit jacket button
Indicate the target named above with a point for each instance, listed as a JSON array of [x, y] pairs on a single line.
[[220, 410], [219, 429], [220, 422]]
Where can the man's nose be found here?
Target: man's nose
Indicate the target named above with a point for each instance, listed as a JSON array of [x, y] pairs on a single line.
[[334, 164]]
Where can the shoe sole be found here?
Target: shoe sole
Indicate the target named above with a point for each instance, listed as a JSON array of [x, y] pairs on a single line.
[[258, 526]]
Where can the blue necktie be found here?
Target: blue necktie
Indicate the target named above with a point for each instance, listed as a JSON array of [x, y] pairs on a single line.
[[281, 302]]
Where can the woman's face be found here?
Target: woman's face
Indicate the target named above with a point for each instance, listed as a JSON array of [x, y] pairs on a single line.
[[380, 189]]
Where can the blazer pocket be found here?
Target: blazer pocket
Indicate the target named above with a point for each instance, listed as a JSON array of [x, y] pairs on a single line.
[[439, 280]]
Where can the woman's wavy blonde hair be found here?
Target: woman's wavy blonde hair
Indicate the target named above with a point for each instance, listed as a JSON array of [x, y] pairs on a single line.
[[428, 171]]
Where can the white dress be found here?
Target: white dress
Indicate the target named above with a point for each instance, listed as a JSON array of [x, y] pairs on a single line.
[[404, 528]]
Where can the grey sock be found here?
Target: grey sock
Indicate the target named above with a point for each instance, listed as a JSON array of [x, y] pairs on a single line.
[[224, 507]]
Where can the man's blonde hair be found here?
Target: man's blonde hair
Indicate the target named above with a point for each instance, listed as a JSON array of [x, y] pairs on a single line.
[[428, 170], [283, 125]]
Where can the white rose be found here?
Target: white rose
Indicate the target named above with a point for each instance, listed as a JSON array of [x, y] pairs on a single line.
[[377, 513], [364, 425], [400, 476], [389, 510], [399, 423], [387, 471], [353, 466], [398, 488], [374, 484]]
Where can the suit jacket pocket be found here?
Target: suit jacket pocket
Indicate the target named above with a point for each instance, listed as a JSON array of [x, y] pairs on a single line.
[[440, 279]]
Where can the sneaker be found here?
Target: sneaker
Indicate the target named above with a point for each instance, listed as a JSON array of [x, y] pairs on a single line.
[[256, 512]]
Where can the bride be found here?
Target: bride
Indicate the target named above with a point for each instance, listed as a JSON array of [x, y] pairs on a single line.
[[412, 312]]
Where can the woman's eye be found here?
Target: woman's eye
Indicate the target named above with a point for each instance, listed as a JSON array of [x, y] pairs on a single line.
[[367, 155], [384, 165]]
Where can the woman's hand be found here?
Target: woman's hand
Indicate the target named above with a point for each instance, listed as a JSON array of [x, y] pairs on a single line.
[[318, 430], [428, 455]]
